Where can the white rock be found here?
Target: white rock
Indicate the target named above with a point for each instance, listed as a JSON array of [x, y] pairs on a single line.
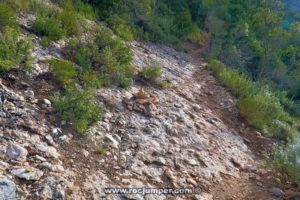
[[30, 174], [16, 152], [47, 102], [85, 153], [114, 142]]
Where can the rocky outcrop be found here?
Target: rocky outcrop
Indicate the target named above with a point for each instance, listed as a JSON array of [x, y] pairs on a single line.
[[144, 103]]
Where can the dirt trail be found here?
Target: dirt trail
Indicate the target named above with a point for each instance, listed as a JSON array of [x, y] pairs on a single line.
[[245, 187]]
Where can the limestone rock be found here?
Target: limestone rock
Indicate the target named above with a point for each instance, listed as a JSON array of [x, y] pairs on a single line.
[[7, 189], [16, 152]]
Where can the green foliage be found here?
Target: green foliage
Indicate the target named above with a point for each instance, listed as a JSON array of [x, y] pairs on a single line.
[[45, 41], [95, 80], [152, 71], [101, 150], [69, 22], [104, 60], [63, 70], [40, 9], [54, 23], [157, 21], [165, 84], [124, 82], [257, 104], [120, 27], [84, 9], [7, 17], [48, 27], [195, 35], [78, 108], [286, 160], [14, 52], [17, 5]]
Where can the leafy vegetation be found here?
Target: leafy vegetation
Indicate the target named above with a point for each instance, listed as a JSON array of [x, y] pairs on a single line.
[[105, 60], [257, 104], [7, 17], [54, 24], [152, 71], [78, 108], [63, 70], [14, 52], [165, 84], [286, 160]]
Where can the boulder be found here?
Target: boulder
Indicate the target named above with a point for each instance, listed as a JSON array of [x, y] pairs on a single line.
[[16, 152], [7, 189]]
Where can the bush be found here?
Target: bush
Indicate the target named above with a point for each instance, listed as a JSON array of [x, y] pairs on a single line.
[[41, 9], [7, 17], [238, 84], [63, 70], [286, 160], [78, 108], [14, 52], [105, 39], [48, 27], [85, 56], [107, 57], [124, 82], [120, 27], [95, 80], [195, 35], [69, 22], [257, 104], [85, 10], [152, 71], [165, 84], [18, 5], [53, 23]]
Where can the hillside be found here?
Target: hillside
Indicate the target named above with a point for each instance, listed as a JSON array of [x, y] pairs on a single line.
[[89, 102]]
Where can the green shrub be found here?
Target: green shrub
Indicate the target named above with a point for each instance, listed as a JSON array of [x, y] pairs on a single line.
[[54, 23], [69, 22], [63, 70], [95, 80], [238, 84], [84, 9], [152, 71], [195, 35], [7, 17], [85, 56], [41, 9], [106, 56], [48, 27], [257, 104], [120, 27], [14, 52], [264, 111], [165, 84], [124, 82], [105, 39], [78, 108], [65, 4], [45, 41], [286, 160], [18, 5]]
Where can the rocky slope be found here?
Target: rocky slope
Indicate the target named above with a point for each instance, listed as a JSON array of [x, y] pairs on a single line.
[[187, 136]]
